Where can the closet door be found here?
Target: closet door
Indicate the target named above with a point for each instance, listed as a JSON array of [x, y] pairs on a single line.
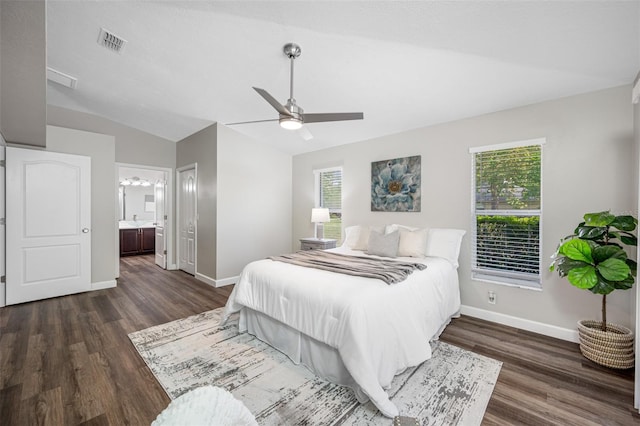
[[187, 196]]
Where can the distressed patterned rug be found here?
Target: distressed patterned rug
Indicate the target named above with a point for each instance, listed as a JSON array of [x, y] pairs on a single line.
[[452, 388]]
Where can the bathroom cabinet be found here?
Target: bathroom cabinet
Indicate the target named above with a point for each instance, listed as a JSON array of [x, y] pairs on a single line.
[[137, 241]]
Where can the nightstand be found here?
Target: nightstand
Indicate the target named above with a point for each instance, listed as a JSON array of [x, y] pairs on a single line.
[[317, 243]]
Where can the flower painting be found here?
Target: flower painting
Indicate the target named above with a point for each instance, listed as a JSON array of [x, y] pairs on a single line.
[[395, 185]]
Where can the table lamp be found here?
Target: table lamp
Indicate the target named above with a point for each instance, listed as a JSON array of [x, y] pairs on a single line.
[[319, 215]]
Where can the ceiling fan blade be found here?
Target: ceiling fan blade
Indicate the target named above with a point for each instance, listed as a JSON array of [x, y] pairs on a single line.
[[305, 133], [250, 122], [336, 116], [272, 101]]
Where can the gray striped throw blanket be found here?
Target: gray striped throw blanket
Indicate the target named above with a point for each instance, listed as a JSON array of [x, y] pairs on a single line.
[[389, 271]]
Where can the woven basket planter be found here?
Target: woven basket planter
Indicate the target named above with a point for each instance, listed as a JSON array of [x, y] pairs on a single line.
[[613, 348]]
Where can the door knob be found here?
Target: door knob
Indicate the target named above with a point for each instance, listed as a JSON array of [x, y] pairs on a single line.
[[85, 230]]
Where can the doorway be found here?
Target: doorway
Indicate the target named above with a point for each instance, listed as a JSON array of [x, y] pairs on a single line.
[[144, 213], [187, 218]]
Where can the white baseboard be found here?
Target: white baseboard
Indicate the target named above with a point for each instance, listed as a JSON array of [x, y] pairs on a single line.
[[216, 283], [524, 324], [227, 281], [103, 284], [172, 267], [3, 295], [205, 279]]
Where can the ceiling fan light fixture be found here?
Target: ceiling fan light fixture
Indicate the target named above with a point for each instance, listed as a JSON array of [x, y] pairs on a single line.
[[290, 123]]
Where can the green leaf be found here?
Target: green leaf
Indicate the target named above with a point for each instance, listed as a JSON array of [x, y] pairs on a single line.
[[624, 223], [598, 219], [577, 249], [625, 284], [629, 239], [614, 269], [603, 253], [584, 277], [602, 286], [633, 265], [590, 232], [564, 265]]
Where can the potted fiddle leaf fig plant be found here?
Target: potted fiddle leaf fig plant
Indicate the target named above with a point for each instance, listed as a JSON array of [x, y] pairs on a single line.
[[594, 258]]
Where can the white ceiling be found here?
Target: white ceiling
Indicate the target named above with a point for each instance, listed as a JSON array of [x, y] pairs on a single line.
[[404, 64]]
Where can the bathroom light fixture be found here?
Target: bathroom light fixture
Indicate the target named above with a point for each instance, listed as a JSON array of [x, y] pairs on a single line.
[[135, 181]]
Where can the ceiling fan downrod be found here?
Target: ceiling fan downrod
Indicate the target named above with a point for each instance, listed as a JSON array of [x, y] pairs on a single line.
[[292, 51]]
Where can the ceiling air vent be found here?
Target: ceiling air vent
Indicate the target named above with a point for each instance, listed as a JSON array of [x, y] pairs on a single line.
[[61, 78], [111, 41]]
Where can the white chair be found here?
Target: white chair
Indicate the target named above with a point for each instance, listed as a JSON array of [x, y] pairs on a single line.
[[205, 406]]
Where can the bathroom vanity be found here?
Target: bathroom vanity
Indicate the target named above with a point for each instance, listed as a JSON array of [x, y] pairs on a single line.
[[137, 240]]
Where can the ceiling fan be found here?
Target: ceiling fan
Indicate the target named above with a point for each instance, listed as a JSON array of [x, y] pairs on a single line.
[[291, 116]]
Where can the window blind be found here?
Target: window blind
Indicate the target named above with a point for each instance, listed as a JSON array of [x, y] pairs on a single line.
[[507, 215], [329, 192]]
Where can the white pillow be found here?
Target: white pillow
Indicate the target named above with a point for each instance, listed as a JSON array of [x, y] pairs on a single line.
[[396, 227], [444, 242], [363, 237], [413, 243], [383, 244], [351, 234]]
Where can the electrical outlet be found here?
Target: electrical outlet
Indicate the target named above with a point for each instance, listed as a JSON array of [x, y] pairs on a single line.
[[492, 297]]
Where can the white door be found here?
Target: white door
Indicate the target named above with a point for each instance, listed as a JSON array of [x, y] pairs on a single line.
[[48, 222], [161, 221], [2, 226], [187, 220]]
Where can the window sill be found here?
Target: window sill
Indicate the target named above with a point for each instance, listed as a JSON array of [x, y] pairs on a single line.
[[509, 282]]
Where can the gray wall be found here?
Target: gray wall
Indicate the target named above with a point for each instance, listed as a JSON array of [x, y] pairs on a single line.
[[201, 149], [101, 149], [588, 166], [132, 146], [254, 202], [23, 75]]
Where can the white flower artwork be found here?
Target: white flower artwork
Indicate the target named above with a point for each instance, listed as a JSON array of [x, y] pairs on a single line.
[[395, 185]]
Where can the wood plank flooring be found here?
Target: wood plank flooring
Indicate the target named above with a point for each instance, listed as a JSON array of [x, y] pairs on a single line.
[[68, 360]]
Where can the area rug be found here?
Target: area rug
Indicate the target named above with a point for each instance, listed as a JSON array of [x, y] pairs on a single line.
[[452, 388]]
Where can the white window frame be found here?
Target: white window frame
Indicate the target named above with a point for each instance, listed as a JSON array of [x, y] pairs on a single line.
[[513, 279], [316, 197]]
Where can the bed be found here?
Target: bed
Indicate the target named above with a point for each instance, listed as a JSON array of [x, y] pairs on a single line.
[[355, 331]]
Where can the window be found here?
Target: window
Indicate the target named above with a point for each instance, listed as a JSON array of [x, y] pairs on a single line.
[[329, 195], [507, 213]]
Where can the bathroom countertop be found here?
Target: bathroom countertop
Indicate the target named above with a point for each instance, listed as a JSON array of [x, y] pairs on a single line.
[[134, 224]]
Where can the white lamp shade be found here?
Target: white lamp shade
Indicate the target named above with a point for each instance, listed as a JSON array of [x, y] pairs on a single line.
[[320, 215]]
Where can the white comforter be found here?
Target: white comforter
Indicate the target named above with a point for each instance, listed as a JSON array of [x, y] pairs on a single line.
[[378, 329]]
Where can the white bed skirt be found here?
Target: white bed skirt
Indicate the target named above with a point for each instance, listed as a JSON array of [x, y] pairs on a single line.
[[320, 358]]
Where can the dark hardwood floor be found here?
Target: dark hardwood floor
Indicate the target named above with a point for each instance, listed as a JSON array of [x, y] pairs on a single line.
[[545, 381], [68, 360]]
